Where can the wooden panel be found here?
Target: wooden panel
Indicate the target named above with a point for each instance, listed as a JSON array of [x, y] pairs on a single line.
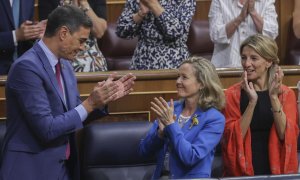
[[202, 9], [114, 11], [36, 11], [2, 109], [150, 84]]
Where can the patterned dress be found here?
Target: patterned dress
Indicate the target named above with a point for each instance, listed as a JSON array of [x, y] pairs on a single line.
[[91, 59], [161, 40]]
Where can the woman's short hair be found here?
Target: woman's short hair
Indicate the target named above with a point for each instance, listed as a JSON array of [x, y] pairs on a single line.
[[266, 47], [70, 16], [211, 95]]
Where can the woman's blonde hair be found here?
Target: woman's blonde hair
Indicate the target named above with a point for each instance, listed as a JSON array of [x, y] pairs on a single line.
[[211, 95], [266, 48]]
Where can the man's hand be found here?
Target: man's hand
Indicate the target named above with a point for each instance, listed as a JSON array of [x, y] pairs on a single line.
[[124, 84], [109, 90], [28, 30], [42, 24], [102, 94]]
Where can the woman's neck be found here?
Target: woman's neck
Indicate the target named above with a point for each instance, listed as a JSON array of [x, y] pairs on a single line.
[[190, 106], [261, 84]]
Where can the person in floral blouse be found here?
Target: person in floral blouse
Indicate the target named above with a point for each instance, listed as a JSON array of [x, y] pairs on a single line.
[[162, 28]]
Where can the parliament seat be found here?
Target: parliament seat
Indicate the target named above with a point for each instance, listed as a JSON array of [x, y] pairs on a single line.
[[110, 151], [292, 56], [199, 42], [217, 166], [117, 51]]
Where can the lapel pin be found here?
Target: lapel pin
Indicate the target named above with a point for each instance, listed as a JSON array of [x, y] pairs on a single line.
[[195, 121]]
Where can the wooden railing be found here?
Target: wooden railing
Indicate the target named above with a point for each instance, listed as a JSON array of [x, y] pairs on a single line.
[[150, 84]]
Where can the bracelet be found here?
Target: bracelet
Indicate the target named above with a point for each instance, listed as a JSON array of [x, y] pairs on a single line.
[[140, 14], [274, 111]]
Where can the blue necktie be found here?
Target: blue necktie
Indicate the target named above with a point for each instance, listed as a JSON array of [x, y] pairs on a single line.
[[16, 12]]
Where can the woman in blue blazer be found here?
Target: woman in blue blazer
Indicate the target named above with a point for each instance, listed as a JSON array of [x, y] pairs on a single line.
[[186, 132]]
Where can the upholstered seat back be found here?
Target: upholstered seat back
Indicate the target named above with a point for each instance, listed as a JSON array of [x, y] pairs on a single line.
[[293, 47], [217, 166], [199, 42], [110, 151], [117, 51]]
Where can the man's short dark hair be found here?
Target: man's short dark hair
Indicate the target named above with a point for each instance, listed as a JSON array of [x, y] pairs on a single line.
[[69, 16]]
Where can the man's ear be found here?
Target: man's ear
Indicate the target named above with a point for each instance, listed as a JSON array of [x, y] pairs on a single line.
[[63, 32]]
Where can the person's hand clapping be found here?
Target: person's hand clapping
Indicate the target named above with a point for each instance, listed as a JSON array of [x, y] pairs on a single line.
[[251, 4], [124, 84], [244, 12], [28, 31], [143, 8], [102, 94], [42, 24], [276, 82], [164, 112], [249, 88]]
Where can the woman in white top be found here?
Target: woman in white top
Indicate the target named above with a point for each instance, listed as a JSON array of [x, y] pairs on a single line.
[[231, 22]]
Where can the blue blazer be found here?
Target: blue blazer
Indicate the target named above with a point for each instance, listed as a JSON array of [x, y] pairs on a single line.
[[7, 25], [191, 150], [39, 122]]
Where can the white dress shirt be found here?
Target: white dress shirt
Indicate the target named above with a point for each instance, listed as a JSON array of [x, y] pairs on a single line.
[[226, 50]]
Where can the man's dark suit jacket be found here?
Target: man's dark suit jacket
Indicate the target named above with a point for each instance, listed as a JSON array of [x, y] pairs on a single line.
[[7, 45]]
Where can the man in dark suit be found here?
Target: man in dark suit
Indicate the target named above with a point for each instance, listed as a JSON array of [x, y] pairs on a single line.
[[17, 30], [43, 104]]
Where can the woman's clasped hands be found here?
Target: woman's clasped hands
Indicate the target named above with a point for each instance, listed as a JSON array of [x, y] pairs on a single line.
[[164, 112]]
